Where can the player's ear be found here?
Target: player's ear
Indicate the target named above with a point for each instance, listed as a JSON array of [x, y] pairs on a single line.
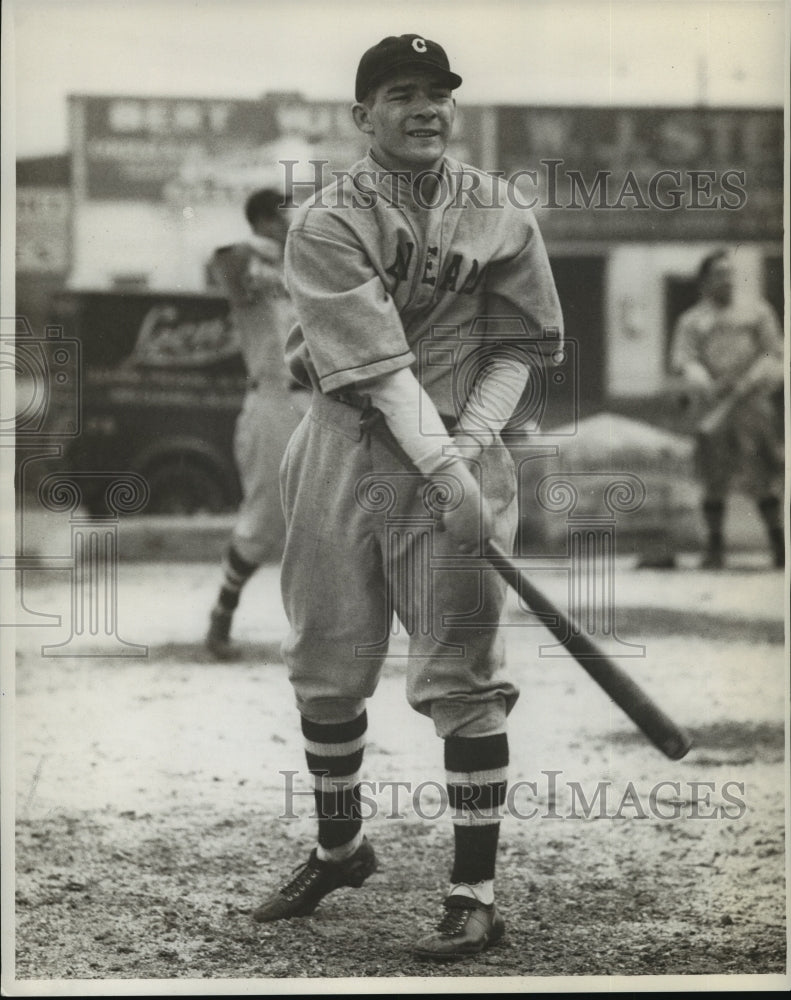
[[362, 117]]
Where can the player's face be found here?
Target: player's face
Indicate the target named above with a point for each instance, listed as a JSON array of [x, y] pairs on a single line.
[[410, 119], [719, 283]]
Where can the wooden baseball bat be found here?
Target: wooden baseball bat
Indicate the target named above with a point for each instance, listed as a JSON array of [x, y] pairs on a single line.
[[642, 710], [668, 737], [715, 417]]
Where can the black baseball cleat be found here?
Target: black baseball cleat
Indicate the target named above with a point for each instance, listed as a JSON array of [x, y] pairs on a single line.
[[218, 638], [778, 548], [713, 559], [468, 927], [313, 880]]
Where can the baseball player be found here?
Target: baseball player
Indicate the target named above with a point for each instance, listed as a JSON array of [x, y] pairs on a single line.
[[729, 349], [408, 244], [251, 275]]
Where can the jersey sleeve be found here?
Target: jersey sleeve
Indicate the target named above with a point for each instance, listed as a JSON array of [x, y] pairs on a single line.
[[769, 370], [350, 325], [261, 277], [230, 266], [412, 418], [495, 396], [683, 350], [521, 284], [769, 333]]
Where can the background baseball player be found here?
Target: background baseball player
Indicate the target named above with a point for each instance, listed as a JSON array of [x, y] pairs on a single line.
[[251, 274], [389, 257], [729, 349]]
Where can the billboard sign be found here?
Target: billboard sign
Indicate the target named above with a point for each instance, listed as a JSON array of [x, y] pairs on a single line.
[[199, 151], [647, 173]]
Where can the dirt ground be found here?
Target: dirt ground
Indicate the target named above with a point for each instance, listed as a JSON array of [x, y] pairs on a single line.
[[150, 794]]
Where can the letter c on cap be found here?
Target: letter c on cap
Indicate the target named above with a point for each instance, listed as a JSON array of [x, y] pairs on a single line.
[[419, 45]]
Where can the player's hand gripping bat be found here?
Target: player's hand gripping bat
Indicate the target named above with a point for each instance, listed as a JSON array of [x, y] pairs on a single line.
[[660, 729], [714, 419]]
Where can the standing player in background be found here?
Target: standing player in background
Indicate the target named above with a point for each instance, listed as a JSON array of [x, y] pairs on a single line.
[[250, 273], [408, 243], [729, 349]]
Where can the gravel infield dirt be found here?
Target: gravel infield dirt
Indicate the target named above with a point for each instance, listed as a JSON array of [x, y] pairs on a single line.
[[148, 792]]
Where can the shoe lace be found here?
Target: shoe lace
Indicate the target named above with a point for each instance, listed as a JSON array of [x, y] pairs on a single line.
[[304, 877], [453, 921]]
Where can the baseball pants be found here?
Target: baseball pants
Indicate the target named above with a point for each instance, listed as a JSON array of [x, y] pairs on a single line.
[[258, 443], [361, 545], [747, 446]]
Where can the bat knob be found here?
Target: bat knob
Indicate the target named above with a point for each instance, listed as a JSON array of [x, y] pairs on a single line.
[[677, 746]]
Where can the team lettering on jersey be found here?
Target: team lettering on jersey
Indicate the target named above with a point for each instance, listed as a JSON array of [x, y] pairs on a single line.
[[458, 275]]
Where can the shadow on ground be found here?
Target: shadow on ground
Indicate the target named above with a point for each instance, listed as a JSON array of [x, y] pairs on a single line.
[[644, 621], [732, 743]]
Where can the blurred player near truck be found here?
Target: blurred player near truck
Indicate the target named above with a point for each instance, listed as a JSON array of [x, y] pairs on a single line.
[[250, 273], [729, 350]]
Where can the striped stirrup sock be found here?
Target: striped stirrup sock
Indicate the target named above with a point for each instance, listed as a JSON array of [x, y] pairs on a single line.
[[334, 752], [236, 573], [476, 769]]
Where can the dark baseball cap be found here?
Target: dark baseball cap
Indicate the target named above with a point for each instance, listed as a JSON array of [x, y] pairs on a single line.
[[397, 52]]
